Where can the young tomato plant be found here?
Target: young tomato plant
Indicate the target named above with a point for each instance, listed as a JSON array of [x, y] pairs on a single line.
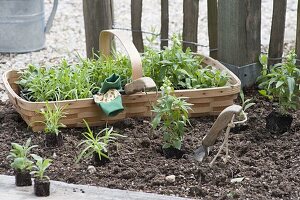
[[97, 144], [281, 82], [172, 111]]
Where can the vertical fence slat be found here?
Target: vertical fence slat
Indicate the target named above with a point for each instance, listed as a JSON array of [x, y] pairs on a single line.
[[136, 24], [212, 20], [190, 23], [277, 32], [164, 31], [97, 17], [239, 24], [298, 34]]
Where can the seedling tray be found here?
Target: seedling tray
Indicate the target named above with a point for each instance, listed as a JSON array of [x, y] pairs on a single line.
[[206, 101]]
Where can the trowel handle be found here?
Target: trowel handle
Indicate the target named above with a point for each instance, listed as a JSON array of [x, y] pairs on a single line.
[[51, 17]]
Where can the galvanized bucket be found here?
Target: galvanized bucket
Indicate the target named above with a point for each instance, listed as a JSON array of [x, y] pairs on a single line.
[[22, 25]]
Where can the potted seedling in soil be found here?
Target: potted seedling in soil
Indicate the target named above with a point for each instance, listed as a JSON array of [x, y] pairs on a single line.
[[41, 181], [52, 117], [172, 111], [280, 83], [96, 146], [21, 163]]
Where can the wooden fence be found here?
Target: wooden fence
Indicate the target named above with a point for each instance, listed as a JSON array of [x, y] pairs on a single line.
[[233, 30]]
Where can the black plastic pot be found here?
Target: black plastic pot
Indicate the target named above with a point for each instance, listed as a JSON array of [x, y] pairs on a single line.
[[53, 140], [172, 153], [23, 178], [41, 187], [277, 122], [97, 161], [239, 128]]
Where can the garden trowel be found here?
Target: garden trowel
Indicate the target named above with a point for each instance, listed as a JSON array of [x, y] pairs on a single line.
[[139, 85], [222, 122]]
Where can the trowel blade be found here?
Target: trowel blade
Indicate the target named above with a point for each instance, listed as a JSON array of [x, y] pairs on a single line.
[[200, 153]]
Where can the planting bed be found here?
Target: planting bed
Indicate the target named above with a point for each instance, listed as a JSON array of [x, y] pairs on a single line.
[[270, 164]]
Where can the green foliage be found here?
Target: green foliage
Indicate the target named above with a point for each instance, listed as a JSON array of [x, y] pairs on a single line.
[[22, 164], [173, 112], [19, 154], [102, 67], [183, 69], [97, 144], [66, 81], [246, 104], [281, 82], [40, 167], [83, 79], [52, 117]]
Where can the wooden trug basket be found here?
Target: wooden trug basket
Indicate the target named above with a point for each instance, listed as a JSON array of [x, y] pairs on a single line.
[[208, 101]]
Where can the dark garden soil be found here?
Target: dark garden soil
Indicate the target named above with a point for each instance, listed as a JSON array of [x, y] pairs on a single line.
[[269, 163]]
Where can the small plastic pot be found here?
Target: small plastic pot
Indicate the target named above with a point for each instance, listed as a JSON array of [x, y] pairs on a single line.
[[172, 152], [53, 140], [41, 187], [97, 161], [23, 178], [277, 122]]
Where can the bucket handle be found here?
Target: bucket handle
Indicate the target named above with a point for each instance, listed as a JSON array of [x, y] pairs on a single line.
[[51, 17]]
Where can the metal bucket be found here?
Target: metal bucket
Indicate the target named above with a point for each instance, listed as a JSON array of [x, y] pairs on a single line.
[[22, 25]]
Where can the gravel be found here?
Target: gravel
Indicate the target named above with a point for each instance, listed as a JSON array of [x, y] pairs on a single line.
[[67, 39]]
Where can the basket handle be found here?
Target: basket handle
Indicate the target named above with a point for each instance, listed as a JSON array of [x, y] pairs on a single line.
[[135, 59]]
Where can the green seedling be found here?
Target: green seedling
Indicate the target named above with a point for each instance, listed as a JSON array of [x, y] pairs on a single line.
[[172, 113], [183, 69], [52, 116], [97, 144], [20, 155], [281, 82], [67, 82], [40, 167], [246, 104]]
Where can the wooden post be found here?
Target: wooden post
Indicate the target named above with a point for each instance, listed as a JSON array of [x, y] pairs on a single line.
[[298, 35], [136, 24], [239, 37], [190, 23], [277, 32], [98, 16], [164, 31], [212, 20]]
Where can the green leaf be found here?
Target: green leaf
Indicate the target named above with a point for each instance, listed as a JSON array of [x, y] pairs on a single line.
[[291, 85], [242, 95], [156, 121], [263, 92], [182, 71], [247, 101], [247, 106], [263, 59], [279, 83], [177, 144], [36, 157]]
